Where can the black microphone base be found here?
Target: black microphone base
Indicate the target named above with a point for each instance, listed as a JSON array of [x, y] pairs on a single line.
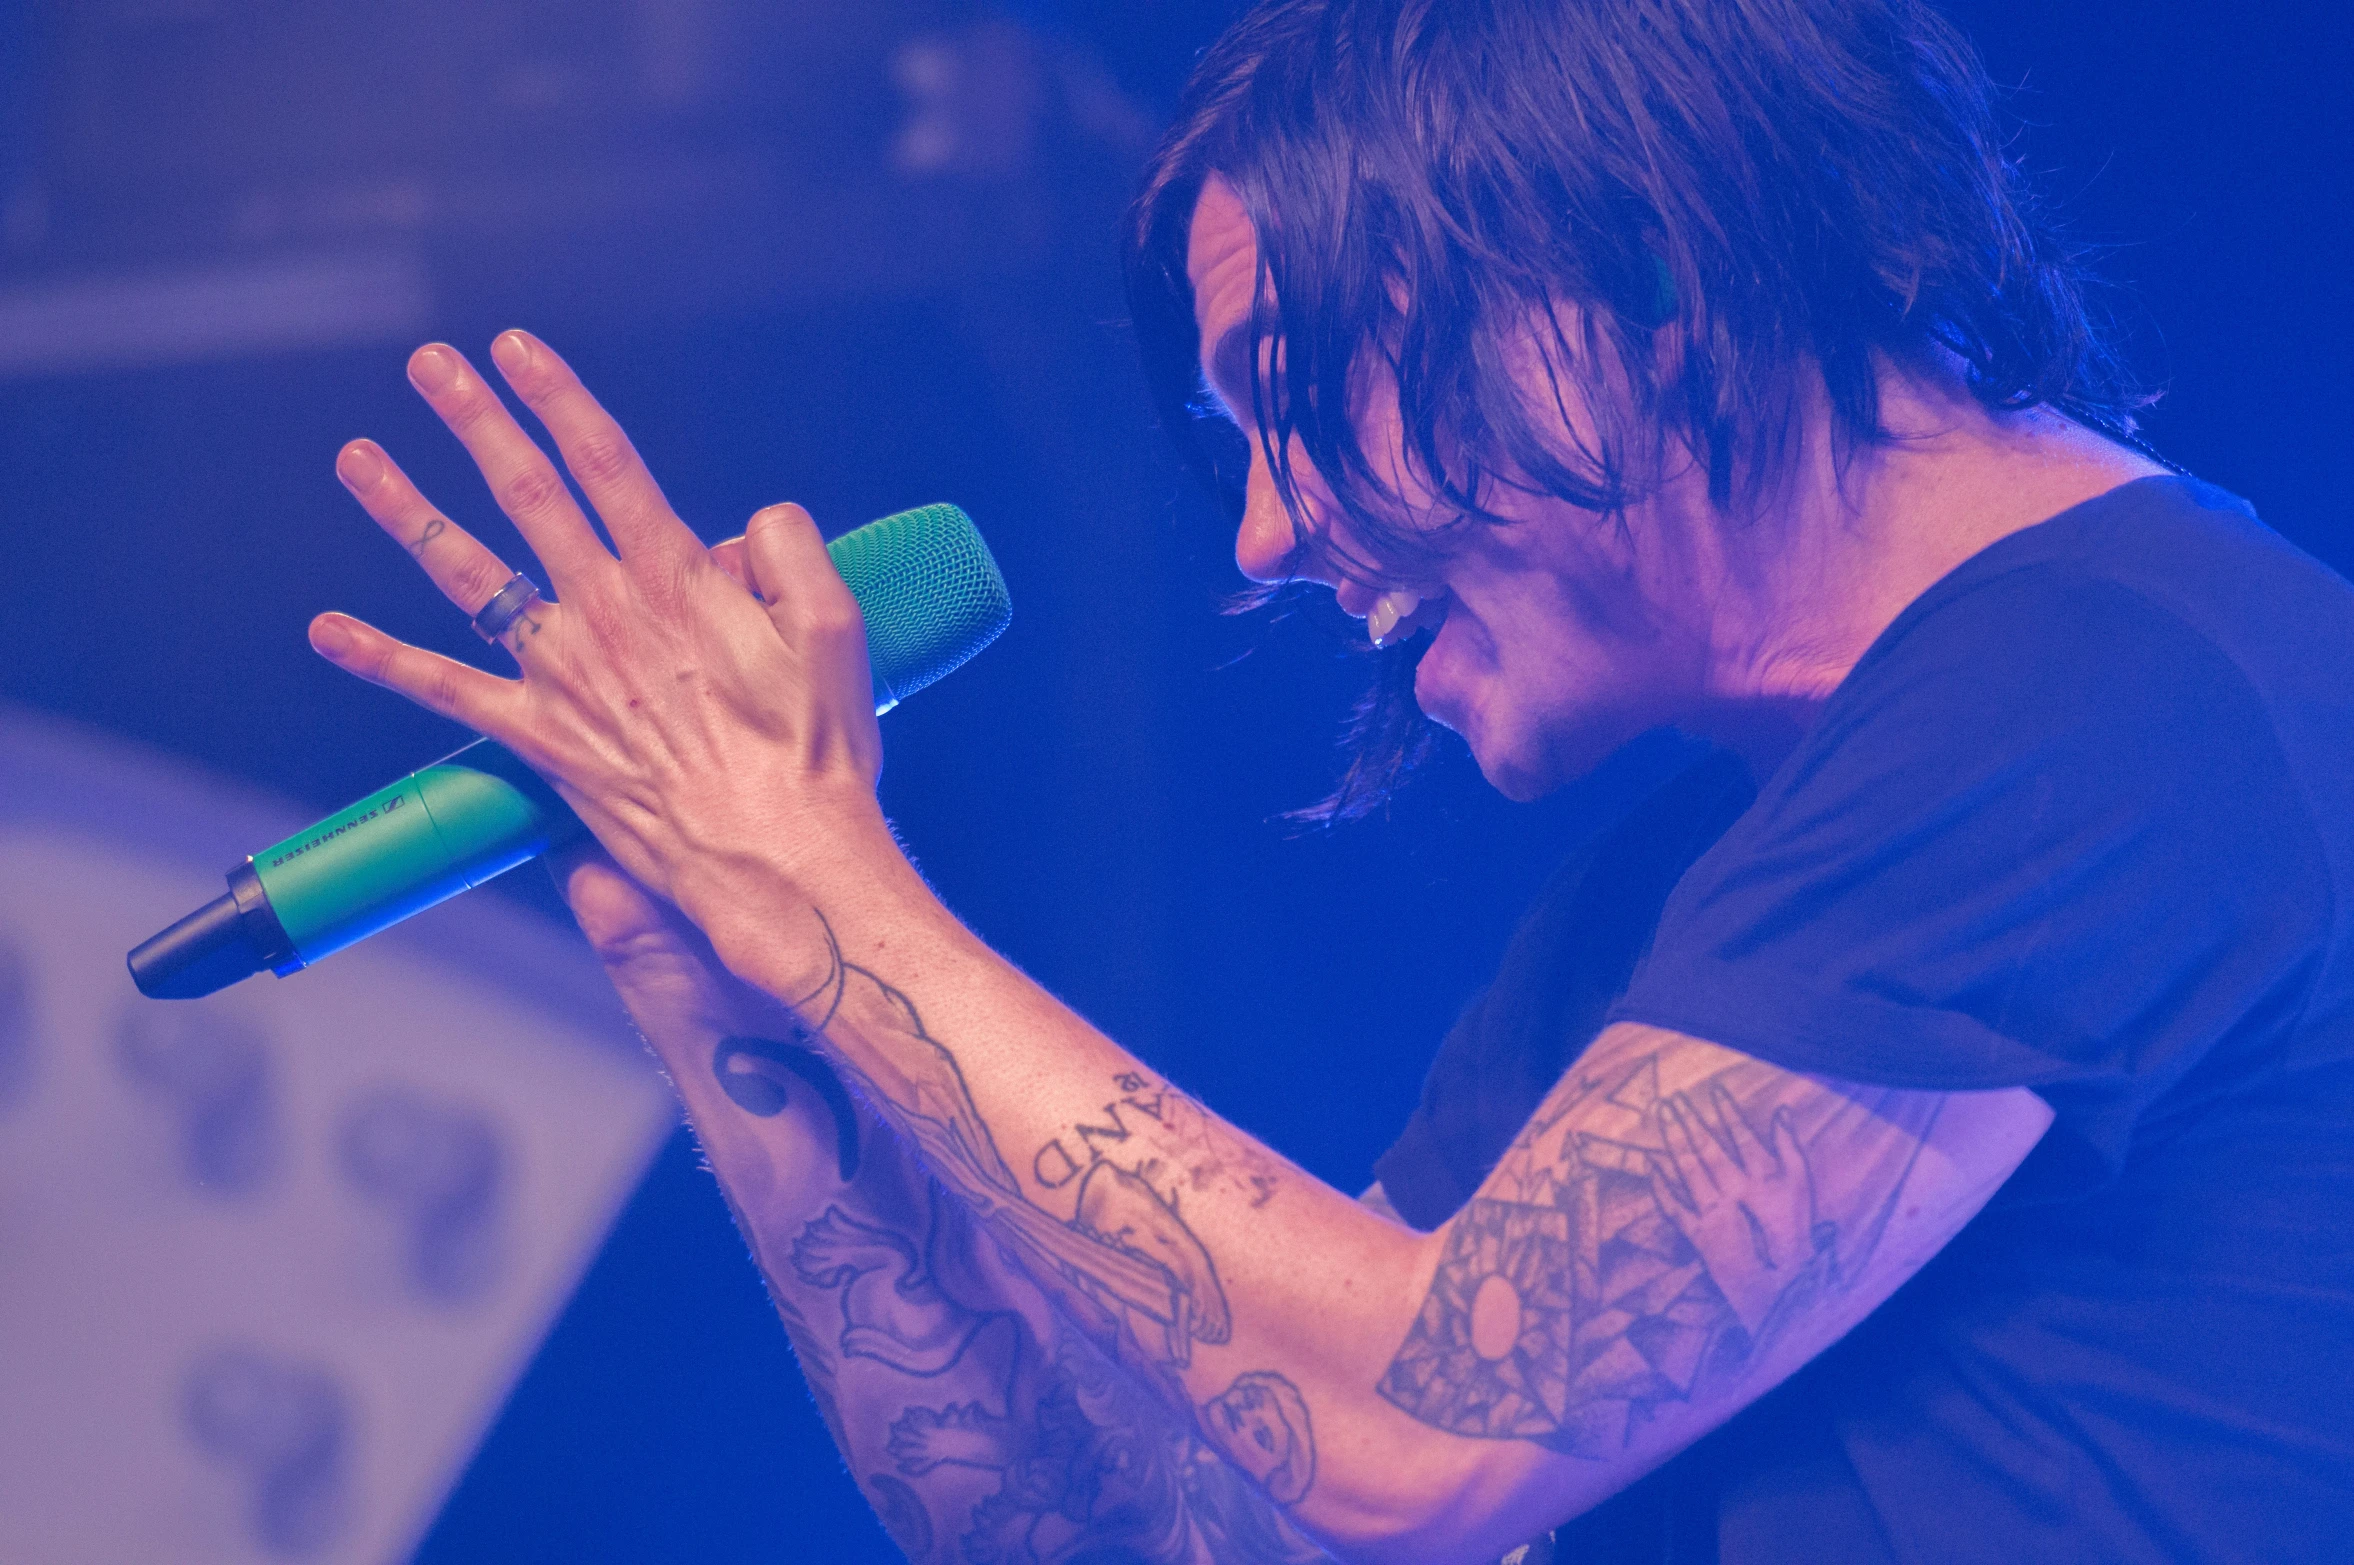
[[206, 951], [228, 939]]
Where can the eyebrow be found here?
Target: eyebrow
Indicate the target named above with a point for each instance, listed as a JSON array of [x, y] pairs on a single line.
[[1226, 368]]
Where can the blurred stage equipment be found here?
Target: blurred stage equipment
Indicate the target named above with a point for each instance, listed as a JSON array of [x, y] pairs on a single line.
[[183, 182], [931, 595], [269, 1265]]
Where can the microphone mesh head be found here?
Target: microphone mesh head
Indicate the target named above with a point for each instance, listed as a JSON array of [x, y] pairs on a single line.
[[931, 594]]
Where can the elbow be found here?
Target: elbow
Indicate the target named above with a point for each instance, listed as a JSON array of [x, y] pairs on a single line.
[[1439, 1508]]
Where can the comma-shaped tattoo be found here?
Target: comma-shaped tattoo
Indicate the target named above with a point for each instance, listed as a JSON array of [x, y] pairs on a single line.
[[752, 1072]]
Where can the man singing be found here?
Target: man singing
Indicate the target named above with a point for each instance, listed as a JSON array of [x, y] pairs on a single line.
[[1942, 1155]]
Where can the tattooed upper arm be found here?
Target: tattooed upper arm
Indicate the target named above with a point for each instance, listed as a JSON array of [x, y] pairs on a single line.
[[1677, 1228]]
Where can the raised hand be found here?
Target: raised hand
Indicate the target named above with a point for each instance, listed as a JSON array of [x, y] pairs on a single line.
[[1746, 1205], [687, 723]]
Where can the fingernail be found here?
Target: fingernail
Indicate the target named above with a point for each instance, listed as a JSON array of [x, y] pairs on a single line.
[[331, 636], [513, 351], [359, 467], [433, 368]]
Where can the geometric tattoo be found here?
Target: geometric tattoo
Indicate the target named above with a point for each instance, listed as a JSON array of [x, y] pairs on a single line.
[[1633, 1248], [1490, 1351]]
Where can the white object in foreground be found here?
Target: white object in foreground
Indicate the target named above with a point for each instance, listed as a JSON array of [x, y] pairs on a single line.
[[271, 1261]]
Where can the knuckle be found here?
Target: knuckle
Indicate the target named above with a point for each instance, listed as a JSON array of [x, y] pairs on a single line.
[[530, 491], [838, 623], [602, 456], [606, 623], [466, 407], [475, 580], [440, 687], [788, 516], [679, 575]]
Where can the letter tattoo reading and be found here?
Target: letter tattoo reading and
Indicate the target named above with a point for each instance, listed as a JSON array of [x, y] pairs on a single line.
[[1053, 1167], [1092, 1135], [1123, 1262]]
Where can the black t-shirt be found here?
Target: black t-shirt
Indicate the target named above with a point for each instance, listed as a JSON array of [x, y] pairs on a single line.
[[2081, 820]]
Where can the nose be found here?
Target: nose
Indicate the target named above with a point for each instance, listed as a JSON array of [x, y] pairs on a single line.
[[1266, 546]]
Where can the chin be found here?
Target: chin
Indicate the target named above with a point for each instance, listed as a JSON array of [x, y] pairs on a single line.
[[1516, 767], [1524, 761], [1528, 749], [1514, 776], [1512, 767]]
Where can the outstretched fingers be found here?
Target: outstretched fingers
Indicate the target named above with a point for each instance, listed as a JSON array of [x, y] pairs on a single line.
[[595, 450], [438, 684], [521, 478], [1740, 1141], [467, 573]]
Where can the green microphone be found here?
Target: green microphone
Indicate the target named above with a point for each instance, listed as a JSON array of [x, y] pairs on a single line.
[[932, 597]]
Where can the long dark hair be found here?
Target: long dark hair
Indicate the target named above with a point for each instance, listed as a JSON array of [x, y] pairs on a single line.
[[1726, 190]]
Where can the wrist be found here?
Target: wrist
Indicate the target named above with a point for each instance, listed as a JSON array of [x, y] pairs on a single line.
[[766, 908]]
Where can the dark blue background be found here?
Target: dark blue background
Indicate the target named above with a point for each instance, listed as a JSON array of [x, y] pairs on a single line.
[[1096, 795]]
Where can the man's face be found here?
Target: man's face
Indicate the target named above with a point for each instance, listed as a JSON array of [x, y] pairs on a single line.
[[1557, 638], [1255, 1432], [1252, 1423]]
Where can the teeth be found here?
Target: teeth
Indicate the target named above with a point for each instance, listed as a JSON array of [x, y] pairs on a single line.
[[1388, 610]]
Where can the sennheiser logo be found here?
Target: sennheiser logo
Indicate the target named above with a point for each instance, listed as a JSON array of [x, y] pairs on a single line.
[[337, 830]]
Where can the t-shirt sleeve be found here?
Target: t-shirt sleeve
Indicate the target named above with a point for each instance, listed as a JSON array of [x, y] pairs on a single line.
[[1568, 960], [2044, 836]]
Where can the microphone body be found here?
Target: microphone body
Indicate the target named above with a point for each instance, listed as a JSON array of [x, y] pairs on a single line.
[[931, 595]]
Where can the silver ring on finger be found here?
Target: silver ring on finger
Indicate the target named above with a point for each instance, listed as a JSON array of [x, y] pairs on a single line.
[[505, 607]]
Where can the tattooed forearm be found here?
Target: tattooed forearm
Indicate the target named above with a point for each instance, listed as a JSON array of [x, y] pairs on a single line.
[[747, 1071], [1154, 1129], [982, 1426], [1123, 1263], [809, 1349], [1639, 1245]]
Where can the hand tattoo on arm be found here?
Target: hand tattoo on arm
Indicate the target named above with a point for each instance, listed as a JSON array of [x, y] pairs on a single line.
[[1634, 1250]]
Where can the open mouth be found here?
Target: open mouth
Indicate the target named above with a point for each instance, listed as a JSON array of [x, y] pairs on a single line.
[[1399, 614]]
